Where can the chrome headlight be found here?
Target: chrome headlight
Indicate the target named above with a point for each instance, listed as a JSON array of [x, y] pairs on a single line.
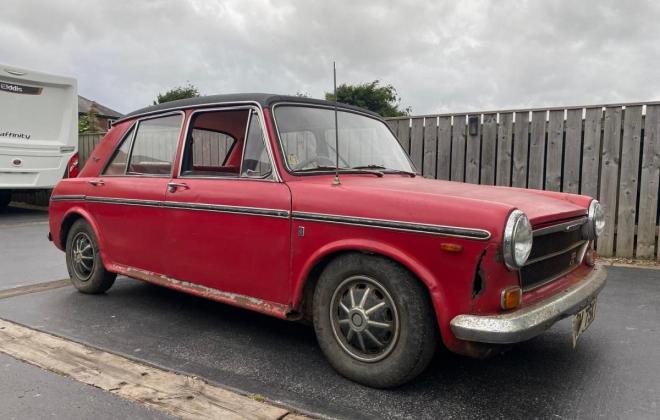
[[596, 222], [517, 242]]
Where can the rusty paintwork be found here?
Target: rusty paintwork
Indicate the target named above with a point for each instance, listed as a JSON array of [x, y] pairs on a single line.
[[258, 305]]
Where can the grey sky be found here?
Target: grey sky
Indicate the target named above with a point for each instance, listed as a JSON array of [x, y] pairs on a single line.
[[440, 55]]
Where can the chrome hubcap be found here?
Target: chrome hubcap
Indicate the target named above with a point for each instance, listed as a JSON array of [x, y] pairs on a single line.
[[364, 319], [82, 254]]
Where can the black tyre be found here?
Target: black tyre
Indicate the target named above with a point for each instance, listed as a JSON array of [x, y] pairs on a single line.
[[374, 320], [83, 260], [5, 199]]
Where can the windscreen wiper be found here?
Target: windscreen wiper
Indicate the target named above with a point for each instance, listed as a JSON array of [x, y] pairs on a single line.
[[343, 170], [387, 170]]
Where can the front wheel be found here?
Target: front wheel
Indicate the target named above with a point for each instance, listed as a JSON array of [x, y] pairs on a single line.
[[83, 260], [374, 321]]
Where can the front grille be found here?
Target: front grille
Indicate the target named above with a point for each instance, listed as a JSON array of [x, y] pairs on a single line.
[[555, 252]]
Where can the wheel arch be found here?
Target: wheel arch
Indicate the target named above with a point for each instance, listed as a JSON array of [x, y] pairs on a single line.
[[310, 274], [72, 216]]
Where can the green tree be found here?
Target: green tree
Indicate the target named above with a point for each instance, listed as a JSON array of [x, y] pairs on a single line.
[[180, 92], [89, 123], [381, 99]]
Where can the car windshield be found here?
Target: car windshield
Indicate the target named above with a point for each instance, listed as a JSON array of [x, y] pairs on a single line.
[[308, 141]]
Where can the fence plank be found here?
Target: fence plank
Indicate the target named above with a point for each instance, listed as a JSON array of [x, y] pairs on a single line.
[[417, 142], [572, 150], [403, 134], [553, 158], [648, 191], [458, 149], [609, 177], [520, 150], [537, 150], [504, 144], [443, 163], [394, 125], [630, 145], [591, 151], [488, 149], [430, 147], [473, 154]]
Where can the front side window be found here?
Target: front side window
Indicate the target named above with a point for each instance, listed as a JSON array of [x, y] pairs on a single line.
[[225, 143], [154, 146], [308, 140]]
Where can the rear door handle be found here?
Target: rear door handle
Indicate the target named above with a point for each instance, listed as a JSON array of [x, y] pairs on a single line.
[[173, 186], [97, 182]]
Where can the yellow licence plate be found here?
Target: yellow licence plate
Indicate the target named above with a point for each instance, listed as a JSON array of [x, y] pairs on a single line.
[[582, 320]]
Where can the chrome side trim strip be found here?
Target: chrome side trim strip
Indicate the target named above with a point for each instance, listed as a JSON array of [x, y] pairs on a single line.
[[67, 197], [565, 227], [453, 231], [253, 211]]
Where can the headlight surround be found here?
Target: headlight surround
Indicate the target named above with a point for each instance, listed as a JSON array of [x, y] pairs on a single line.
[[518, 238], [596, 222]]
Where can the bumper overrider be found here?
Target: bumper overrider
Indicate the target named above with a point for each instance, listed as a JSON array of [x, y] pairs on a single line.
[[530, 321]]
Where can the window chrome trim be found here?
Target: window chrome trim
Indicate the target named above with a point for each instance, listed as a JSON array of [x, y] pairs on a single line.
[[218, 208], [249, 105], [441, 230], [278, 138]]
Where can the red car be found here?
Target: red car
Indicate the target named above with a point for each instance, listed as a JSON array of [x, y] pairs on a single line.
[[235, 198]]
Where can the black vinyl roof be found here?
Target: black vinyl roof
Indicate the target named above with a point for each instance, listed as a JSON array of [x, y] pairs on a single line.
[[264, 99]]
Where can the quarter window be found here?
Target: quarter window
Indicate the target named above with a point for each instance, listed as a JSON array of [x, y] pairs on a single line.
[[117, 165], [256, 163], [155, 145]]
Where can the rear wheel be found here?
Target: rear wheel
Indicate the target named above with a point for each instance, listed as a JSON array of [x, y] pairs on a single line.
[[83, 260], [5, 199], [374, 321]]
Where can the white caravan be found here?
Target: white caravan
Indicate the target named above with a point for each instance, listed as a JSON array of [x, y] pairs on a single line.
[[38, 130]]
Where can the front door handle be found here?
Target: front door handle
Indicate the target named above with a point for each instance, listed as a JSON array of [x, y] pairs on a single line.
[[173, 186], [96, 182]]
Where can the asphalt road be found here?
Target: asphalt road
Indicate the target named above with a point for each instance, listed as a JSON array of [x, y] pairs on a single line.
[[28, 392], [26, 256], [613, 373]]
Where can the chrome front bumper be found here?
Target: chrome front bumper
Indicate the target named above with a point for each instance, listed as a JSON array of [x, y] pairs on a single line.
[[530, 321]]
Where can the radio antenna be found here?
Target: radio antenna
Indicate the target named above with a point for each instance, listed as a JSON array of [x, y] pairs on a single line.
[[336, 180]]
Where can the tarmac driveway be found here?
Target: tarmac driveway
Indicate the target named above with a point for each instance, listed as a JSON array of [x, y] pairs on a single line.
[[614, 371]]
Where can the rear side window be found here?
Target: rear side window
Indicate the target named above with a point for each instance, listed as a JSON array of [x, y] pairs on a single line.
[[117, 165], [154, 146]]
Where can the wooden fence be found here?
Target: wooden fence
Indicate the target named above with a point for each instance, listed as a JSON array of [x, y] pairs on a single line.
[[611, 152]]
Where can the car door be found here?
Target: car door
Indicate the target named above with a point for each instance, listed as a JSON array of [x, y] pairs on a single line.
[[126, 199], [228, 225]]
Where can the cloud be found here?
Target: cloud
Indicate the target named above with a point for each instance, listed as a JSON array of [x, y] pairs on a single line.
[[442, 56]]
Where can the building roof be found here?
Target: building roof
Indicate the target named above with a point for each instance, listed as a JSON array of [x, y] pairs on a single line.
[[263, 99], [85, 104]]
